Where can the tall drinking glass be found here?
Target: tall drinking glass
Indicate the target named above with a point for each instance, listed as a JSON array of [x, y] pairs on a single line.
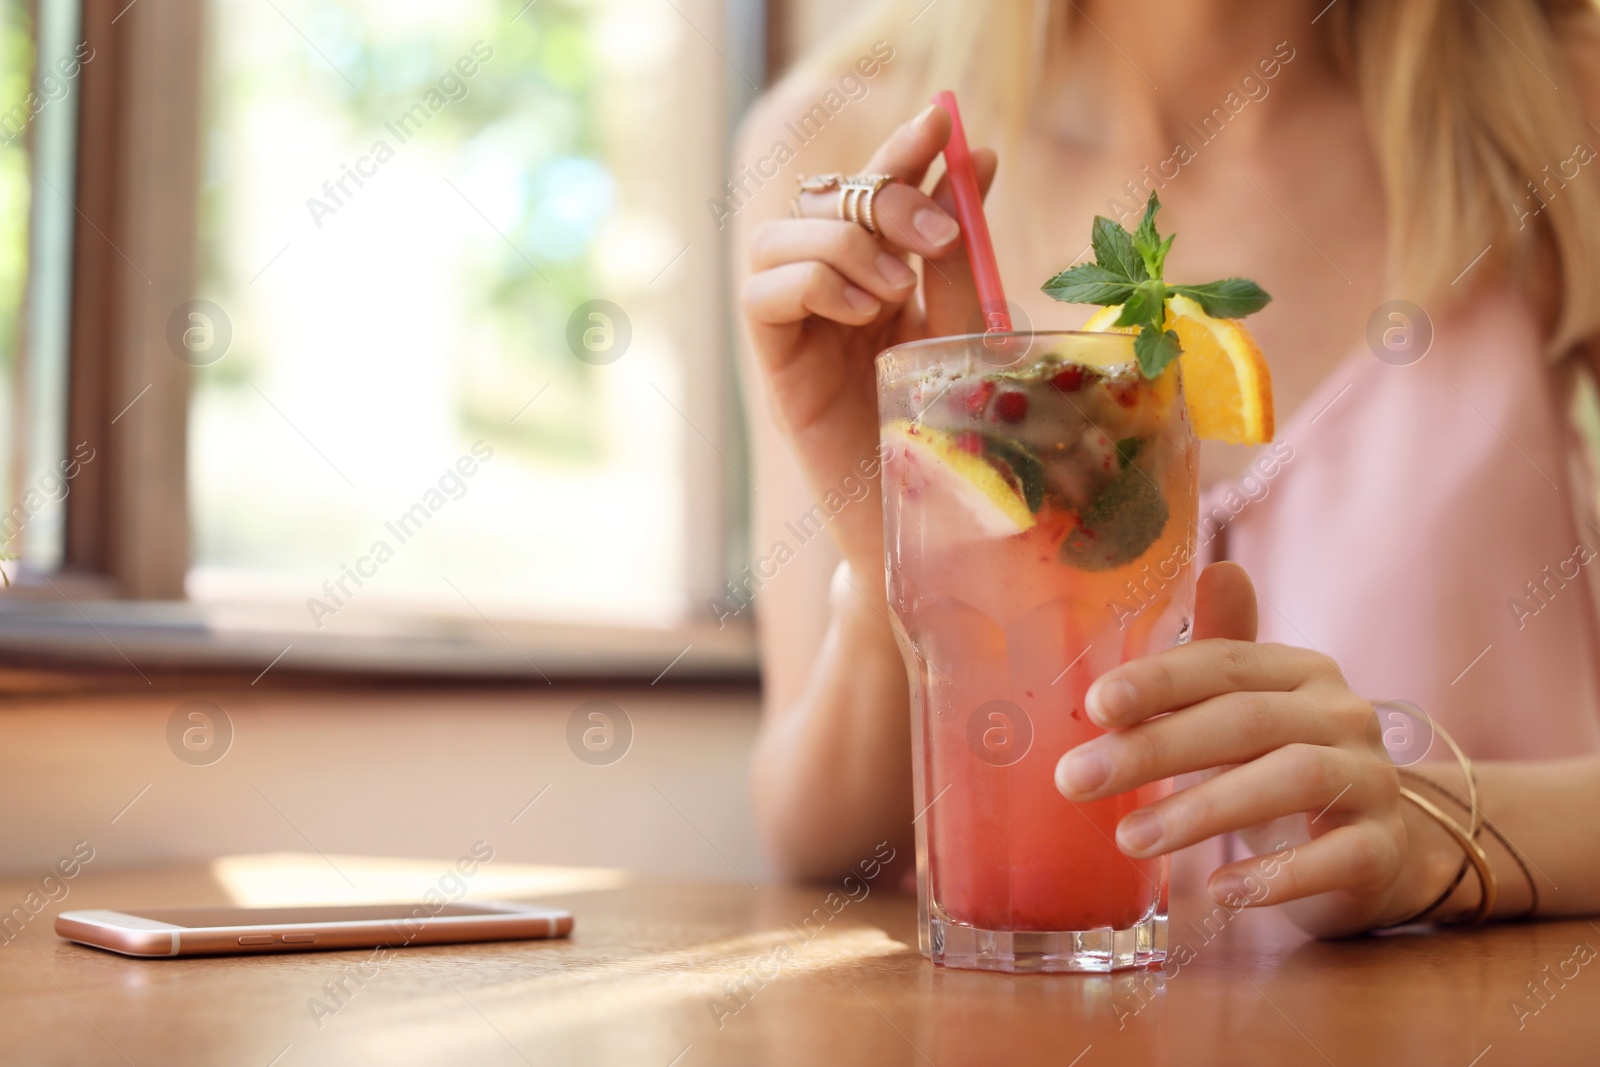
[[1040, 511]]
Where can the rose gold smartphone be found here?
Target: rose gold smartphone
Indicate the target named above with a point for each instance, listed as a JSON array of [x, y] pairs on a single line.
[[166, 932]]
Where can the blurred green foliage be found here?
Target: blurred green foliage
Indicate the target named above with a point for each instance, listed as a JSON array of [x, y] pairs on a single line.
[[16, 79]]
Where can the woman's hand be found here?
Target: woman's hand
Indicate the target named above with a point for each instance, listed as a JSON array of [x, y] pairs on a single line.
[[825, 297], [1294, 763]]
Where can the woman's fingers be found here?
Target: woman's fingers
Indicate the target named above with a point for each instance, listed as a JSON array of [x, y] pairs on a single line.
[[1188, 674], [1317, 779], [907, 219], [1227, 729], [844, 246], [1225, 603], [910, 150], [1363, 855], [949, 291], [788, 294]]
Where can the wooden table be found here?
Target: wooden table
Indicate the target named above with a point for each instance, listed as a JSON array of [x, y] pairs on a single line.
[[647, 978]]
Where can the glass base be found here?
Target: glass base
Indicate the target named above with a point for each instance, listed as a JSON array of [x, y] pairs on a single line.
[[1098, 951]]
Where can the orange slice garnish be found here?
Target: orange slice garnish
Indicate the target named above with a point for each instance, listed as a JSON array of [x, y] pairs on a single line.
[[1226, 384]]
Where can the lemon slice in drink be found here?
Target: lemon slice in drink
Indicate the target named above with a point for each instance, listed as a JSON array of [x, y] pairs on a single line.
[[1226, 385], [963, 496]]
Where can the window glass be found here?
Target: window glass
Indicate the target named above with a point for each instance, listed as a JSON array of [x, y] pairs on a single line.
[[409, 211], [40, 67]]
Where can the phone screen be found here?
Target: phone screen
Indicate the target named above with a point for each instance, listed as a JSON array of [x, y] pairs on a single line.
[[203, 917]]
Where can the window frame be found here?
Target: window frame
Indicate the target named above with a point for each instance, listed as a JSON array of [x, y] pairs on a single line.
[[133, 255], [118, 598]]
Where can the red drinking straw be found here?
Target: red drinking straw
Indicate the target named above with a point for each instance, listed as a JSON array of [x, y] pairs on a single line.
[[974, 227]]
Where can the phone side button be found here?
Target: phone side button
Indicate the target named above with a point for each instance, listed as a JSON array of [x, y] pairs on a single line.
[[257, 939], [299, 939]]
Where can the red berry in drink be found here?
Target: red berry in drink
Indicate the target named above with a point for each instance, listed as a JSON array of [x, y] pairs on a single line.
[[1125, 392], [976, 399], [970, 441], [1011, 407], [1069, 379]]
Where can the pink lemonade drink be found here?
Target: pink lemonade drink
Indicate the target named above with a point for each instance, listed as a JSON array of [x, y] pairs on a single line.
[[1040, 508]]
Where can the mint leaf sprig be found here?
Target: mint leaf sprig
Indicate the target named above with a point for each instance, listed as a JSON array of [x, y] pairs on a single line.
[[1128, 270]]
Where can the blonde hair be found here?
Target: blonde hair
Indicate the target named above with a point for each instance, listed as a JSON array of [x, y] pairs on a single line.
[[1469, 128]]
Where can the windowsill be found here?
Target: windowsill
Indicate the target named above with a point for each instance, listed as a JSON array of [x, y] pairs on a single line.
[[40, 627]]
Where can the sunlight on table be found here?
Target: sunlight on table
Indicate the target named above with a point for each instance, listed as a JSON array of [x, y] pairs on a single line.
[[287, 879]]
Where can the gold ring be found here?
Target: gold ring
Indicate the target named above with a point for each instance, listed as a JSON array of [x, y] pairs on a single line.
[[819, 183], [857, 196]]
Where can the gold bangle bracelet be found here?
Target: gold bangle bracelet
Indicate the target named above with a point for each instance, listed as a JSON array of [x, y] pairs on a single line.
[[1511, 850], [1475, 811], [1461, 871], [1470, 848], [1444, 895], [1474, 819]]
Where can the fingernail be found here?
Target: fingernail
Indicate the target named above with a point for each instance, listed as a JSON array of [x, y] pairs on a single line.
[[895, 272], [860, 299], [1084, 772], [935, 226], [923, 116], [1139, 831], [1228, 889], [1109, 700]]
